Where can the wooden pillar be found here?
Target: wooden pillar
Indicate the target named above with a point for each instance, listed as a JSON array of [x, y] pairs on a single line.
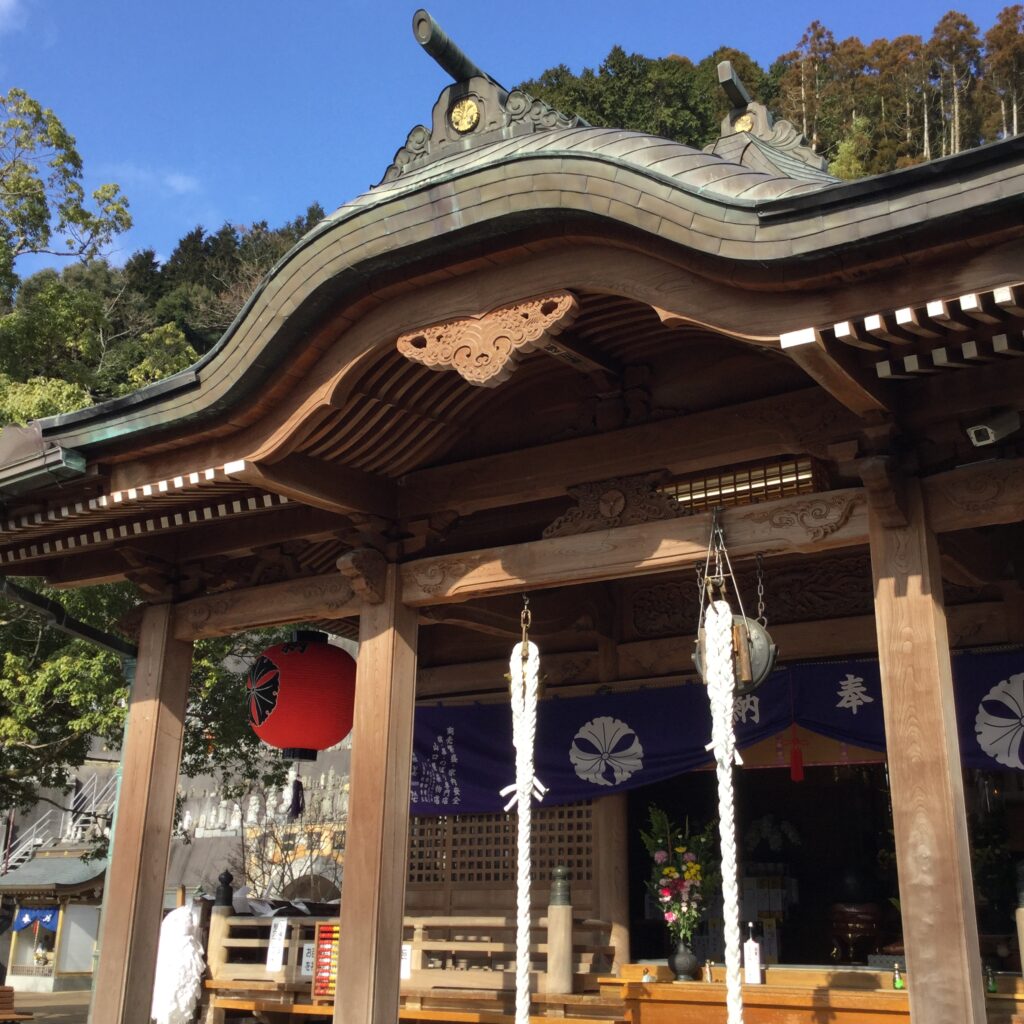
[[376, 852], [611, 874], [134, 894], [940, 929]]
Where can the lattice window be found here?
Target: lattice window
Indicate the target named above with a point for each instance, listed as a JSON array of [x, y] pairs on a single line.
[[746, 485], [481, 848], [428, 849]]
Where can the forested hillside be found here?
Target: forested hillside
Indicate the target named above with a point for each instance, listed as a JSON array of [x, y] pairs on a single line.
[[867, 107]]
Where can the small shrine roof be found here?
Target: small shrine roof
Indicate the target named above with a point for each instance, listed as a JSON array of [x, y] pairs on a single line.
[[54, 875]]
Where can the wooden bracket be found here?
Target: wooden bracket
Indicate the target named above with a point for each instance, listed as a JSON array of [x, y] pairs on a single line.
[[886, 489], [485, 349], [365, 569]]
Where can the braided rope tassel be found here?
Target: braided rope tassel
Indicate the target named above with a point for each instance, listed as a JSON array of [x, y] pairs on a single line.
[[721, 684], [524, 672]]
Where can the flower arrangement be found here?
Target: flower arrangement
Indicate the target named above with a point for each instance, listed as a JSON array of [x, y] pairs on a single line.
[[683, 870]]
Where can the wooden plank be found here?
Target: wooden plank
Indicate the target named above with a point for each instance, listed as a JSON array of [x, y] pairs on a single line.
[[328, 596], [332, 487], [817, 522], [929, 820], [378, 822], [806, 420], [666, 1003], [984, 494], [142, 828]]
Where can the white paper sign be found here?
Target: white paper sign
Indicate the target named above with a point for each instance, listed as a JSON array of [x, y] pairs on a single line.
[[275, 951], [405, 971], [308, 956]]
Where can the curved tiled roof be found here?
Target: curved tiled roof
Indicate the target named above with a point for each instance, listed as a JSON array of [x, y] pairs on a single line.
[[688, 169], [716, 210]]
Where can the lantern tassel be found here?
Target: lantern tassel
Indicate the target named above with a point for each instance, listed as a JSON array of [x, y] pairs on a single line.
[[796, 757], [298, 804]]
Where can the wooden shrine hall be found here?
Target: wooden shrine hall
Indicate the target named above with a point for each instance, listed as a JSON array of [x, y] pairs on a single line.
[[533, 359]]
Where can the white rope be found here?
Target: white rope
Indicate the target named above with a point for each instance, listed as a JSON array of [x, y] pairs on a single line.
[[718, 654], [526, 787]]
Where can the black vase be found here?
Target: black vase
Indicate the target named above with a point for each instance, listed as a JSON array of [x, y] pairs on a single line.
[[683, 964]]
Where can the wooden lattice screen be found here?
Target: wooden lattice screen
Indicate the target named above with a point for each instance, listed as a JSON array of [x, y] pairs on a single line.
[[747, 484], [466, 863]]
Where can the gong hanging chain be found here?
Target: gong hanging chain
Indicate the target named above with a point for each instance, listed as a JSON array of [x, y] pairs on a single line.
[[525, 621], [714, 584], [761, 617]]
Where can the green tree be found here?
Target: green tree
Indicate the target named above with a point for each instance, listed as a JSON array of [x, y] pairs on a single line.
[[43, 207], [660, 97], [804, 80], [955, 50], [59, 694], [853, 152], [1004, 68]]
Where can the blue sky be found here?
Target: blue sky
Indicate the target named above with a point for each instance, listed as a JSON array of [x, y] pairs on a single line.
[[223, 110]]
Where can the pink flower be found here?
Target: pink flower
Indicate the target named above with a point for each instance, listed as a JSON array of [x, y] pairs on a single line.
[[670, 916], [660, 856], [689, 856], [665, 893]]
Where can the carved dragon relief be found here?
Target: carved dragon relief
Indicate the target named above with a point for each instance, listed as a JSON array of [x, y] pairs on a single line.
[[621, 501], [435, 577], [818, 517], [332, 594], [484, 350]]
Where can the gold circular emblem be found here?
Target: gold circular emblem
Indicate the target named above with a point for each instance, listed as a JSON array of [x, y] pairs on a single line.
[[464, 115], [744, 122]]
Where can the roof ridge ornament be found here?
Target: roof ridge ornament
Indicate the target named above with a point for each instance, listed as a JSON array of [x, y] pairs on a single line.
[[749, 117], [474, 111]]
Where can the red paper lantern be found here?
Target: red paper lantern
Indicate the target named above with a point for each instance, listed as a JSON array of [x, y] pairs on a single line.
[[301, 696]]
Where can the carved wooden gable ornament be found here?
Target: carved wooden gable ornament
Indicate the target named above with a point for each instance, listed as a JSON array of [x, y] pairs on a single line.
[[485, 349]]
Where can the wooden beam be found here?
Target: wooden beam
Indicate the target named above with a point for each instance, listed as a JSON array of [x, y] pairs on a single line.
[[329, 596], [946, 396], [807, 420], [134, 892], [641, 661], [333, 487], [971, 559], [835, 368], [185, 545], [378, 821], [817, 522], [983, 494], [933, 856]]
